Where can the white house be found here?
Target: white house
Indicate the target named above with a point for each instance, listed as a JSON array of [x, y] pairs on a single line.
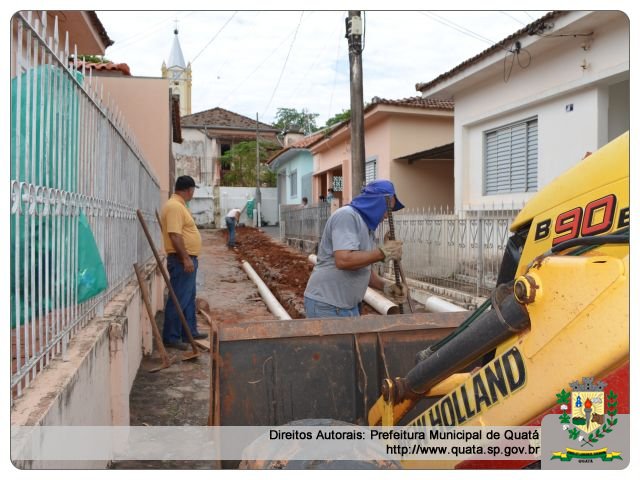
[[533, 105]]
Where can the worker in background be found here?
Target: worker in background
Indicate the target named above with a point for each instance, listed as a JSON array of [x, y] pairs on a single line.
[[232, 219], [330, 196], [346, 252], [305, 202], [182, 243]]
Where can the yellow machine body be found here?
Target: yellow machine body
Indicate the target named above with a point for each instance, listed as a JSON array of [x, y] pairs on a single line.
[[578, 306]]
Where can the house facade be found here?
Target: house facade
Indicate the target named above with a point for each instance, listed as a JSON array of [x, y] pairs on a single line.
[[393, 129], [532, 106], [151, 125], [208, 135], [294, 167]]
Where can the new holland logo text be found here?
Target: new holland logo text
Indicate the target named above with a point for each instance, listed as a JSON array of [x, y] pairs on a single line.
[[495, 381]]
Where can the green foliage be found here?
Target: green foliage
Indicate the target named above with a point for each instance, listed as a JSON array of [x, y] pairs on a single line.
[[94, 59], [563, 397], [240, 161], [292, 119], [574, 433], [564, 418], [338, 117]]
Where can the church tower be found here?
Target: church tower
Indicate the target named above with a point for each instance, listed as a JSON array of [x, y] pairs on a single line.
[[179, 75]]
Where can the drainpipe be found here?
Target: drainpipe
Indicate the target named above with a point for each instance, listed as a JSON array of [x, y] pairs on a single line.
[[439, 305], [379, 302], [269, 299]]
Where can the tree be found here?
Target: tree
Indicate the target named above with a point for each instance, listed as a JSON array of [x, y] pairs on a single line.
[[290, 118], [94, 58], [338, 117], [239, 165]]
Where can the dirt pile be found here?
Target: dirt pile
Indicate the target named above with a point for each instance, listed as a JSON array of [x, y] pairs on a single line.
[[284, 270]]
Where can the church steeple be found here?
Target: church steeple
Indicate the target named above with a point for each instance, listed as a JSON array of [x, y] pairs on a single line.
[[176, 59], [179, 75]]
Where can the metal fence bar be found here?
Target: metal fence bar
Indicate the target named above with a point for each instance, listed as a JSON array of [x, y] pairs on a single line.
[[457, 250], [72, 161], [304, 223]]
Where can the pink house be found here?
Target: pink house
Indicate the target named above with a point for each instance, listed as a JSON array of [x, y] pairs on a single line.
[[408, 141]]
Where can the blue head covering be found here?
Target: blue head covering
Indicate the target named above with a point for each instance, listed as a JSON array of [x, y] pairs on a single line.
[[371, 204]]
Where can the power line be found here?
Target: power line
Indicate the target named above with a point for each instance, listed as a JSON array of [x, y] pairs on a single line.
[[258, 67], [284, 65], [140, 35], [318, 58], [513, 18], [461, 29], [214, 37]]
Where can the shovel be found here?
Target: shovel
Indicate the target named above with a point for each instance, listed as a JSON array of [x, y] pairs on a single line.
[[166, 361], [195, 353], [397, 267]]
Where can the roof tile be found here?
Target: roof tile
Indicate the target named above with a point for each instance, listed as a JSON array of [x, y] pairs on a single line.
[[415, 102], [473, 60], [219, 117], [106, 66]]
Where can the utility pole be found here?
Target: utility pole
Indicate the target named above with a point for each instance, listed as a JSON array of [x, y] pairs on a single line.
[[354, 35], [258, 194]]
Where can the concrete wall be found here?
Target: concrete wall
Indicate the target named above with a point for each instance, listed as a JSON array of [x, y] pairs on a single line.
[[202, 205], [144, 102], [411, 134], [195, 156], [556, 153], [302, 163], [237, 197], [425, 183], [92, 387], [377, 143]]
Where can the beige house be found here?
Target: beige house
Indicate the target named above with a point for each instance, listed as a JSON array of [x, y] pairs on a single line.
[[398, 136], [145, 103]]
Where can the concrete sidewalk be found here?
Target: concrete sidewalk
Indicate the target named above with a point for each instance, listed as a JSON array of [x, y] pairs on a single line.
[[179, 395]]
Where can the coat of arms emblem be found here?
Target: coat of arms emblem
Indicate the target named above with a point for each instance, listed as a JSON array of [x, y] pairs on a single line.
[[588, 414]]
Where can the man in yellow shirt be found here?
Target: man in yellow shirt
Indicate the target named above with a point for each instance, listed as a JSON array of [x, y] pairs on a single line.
[[182, 243]]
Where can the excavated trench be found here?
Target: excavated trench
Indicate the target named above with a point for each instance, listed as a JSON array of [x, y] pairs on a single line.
[[284, 270]]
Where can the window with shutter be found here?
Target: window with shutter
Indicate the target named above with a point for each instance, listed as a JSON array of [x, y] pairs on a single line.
[[511, 158], [370, 170]]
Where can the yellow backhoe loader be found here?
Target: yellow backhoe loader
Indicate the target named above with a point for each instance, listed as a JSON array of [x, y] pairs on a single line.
[[560, 312]]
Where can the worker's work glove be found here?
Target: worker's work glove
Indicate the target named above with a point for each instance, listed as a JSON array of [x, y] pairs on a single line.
[[395, 293], [392, 250]]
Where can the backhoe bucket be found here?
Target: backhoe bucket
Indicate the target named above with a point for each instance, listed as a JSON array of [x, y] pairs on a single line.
[[271, 373]]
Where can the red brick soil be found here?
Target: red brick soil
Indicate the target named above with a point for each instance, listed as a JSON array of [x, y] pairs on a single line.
[[284, 270]]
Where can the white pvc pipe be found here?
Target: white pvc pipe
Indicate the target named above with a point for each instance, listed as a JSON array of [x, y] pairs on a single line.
[[379, 302], [437, 304], [269, 299]]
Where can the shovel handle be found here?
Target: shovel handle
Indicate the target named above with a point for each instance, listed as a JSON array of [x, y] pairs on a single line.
[[397, 267], [156, 333], [165, 275]]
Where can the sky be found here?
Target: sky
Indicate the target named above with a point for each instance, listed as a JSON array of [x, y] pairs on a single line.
[[258, 61]]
